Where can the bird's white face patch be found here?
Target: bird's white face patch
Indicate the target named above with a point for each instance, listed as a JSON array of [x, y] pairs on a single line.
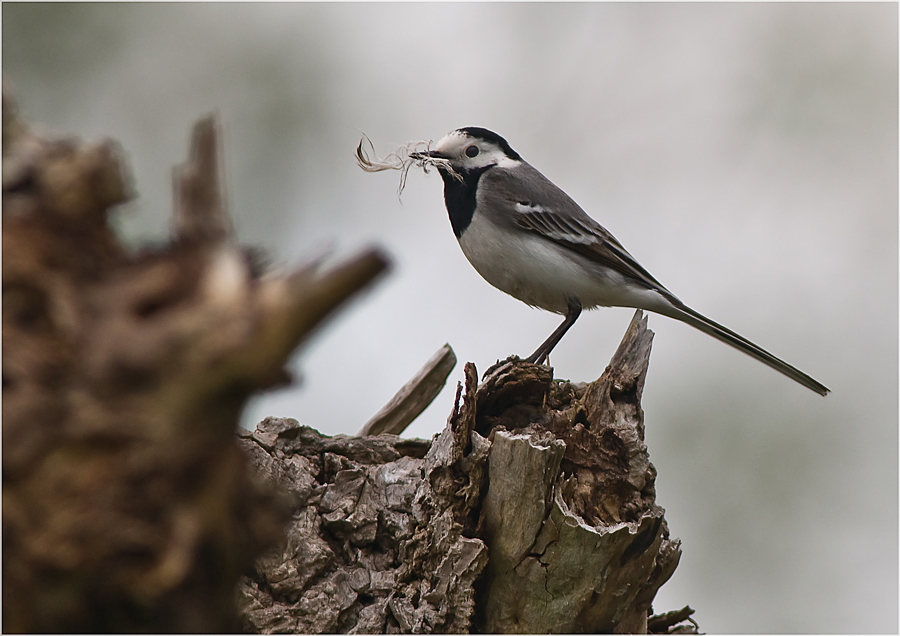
[[469, 153]]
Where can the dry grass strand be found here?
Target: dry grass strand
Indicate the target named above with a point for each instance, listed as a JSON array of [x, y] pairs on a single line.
[[400, 160]]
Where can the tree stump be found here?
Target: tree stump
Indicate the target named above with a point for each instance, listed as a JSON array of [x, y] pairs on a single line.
[[533, 511], [127, 505]]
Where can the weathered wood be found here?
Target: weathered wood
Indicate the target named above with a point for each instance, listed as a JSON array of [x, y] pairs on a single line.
[[376, 542], [544, 521], [199, 207], [414, 397], [584, 548], [126, 502], [674, 622]]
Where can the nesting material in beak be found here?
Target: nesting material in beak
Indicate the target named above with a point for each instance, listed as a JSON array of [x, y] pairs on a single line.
[[407, 155]]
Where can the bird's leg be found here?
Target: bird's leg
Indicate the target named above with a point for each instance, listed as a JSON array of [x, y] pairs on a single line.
[[544, 350]]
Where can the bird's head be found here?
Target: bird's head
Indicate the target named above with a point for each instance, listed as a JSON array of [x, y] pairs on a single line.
[[469, 149]]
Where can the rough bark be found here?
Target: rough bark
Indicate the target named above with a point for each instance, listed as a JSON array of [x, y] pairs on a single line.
[[127, 505], [380, 539], [577, 542], [533, 511]]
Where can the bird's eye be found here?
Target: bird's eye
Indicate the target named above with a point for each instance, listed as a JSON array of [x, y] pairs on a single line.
[[472, 151]]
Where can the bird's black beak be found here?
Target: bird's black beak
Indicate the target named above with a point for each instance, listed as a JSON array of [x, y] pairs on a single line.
[[427, 154]]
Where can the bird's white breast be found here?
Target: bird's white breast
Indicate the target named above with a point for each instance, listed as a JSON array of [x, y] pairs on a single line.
[[543, 274]]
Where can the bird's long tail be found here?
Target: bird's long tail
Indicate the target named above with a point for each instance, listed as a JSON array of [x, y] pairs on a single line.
[[680, 311]]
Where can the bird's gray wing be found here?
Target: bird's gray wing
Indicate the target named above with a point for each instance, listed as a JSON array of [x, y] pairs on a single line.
[[537, 205]]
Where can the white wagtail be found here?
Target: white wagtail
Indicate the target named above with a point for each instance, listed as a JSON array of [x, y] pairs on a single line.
[[529, 239]]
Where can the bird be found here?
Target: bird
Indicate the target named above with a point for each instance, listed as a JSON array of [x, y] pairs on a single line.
[[529, 239]]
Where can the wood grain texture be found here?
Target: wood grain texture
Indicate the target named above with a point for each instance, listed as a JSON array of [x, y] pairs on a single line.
[[414, 397]]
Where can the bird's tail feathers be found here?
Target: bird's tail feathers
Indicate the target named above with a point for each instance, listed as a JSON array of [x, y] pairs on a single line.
[[680, 311]]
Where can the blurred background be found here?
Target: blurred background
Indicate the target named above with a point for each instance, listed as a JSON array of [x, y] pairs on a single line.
[[745, 154]]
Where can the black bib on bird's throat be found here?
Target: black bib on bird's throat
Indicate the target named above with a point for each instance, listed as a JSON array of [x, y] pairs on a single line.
[[459, 196]]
